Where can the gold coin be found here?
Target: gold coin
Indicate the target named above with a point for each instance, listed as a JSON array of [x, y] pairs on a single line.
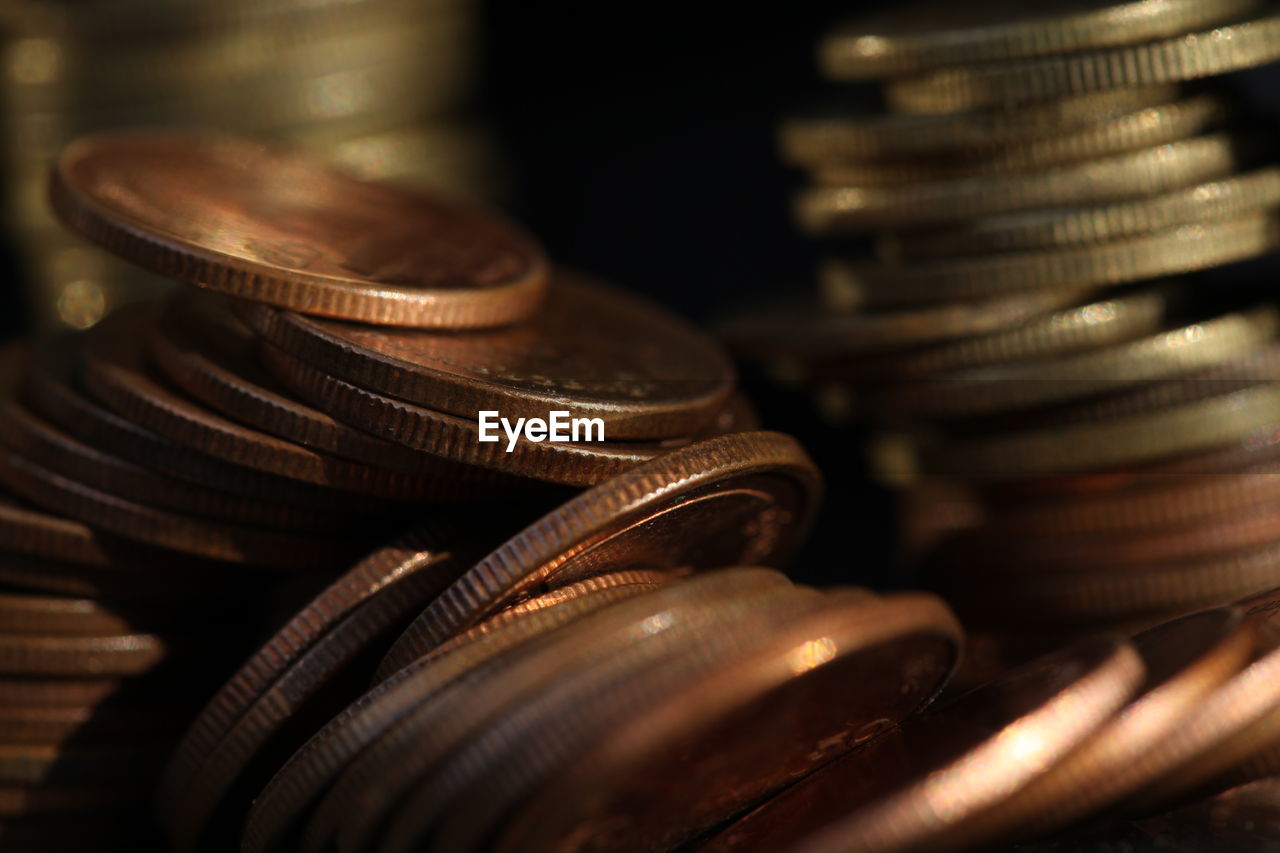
[[1076, 226], [825, 211], [1188, 56], [924, 35]]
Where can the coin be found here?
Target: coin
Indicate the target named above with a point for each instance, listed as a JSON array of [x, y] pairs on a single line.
[[634, 789], [1184, 249], [271, 225], [1188, 56], [933, 34], [592, 349], [23, 613], [116, 654], [742, 499], [828, 211], [916, 786]]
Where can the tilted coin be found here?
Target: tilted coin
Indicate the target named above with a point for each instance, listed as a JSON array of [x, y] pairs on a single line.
[[271, 225], [843, 131], [1188, 56], [1187, 248], [1227, 198], [925, 35], [742, 499], [911, 788], [634, 790], [592, 349], [824, 211]]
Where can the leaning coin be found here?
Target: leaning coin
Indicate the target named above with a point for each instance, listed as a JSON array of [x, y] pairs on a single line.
[[742, 499], [269, 224], [913, 787]]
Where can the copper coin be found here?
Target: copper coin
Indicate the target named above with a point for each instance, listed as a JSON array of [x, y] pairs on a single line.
[[912, 787], [200, 345], [87, 725], [587, 586], [370, 602], [312, 769], [622, 641], [57, 692], [169, 530], [742, 499], [594, 350], [267, 224], [117, 373], [52, 392], [458, 438], [873, 662], [119, 654], [23, 613]]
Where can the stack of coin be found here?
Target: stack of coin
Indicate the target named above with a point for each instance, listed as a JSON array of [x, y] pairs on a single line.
[[1046, 396], [380, 86], [171, 479]]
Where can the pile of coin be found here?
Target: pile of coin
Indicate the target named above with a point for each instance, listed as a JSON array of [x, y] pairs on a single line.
[[380, 86], [1082, 442], [191, 468]]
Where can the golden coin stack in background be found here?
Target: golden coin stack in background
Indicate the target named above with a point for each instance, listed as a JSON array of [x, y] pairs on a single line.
[[379, 86], [1015, 294]]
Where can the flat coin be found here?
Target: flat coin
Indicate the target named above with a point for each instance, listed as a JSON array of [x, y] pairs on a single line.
[[571, 463], [827, 211], [168, 530], [86, 725], [912, 787], [58, 692], [270, 225], [120, 654], [1188, 56], [855, 284], [370, 602], [1153, 126], [1080, 226], [311, 770], [933, 34], [635, 791], [202, 348], [592, 349], [117, 373], [843, 131], [742, 499], [23, 613]]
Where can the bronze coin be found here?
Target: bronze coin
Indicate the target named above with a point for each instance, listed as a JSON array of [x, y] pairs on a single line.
[[832, 678], [23, 613], [201, 346], [119, 654], [168, 530], [267, 224], [369, 603], [117, 373], [741, 499], [57, 692], [912, 788], [593, 350]]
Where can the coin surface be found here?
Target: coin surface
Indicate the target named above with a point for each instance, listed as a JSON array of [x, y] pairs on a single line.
[[592, 349], [907, 789], [924, 35], [742, 499], [267, 224]]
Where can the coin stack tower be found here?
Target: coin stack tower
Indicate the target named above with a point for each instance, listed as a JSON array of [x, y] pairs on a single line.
[[380, 86], [1020, 293]]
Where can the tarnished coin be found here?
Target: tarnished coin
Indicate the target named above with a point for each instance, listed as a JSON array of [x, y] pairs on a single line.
[[1188, 56], [24, 613], [594, 350], [271, 225], [915, 787], [743, 499], [368, 604], [933, 34], [117, 654], [634, 789]]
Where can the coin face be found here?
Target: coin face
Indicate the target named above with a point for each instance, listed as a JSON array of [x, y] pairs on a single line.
[[270, 225], [591, 349]]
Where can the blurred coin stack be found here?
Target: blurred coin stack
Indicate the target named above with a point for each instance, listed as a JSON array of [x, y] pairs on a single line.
[[380, 86], [1081, 441], [172, 482]]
